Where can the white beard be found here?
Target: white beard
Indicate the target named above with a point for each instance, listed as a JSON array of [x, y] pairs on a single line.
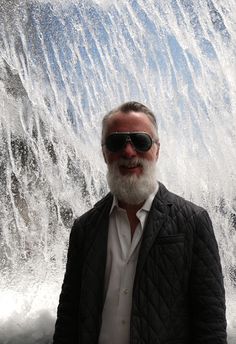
[[132, 189]]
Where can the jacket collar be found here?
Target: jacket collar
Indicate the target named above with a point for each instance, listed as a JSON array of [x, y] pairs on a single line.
[[158, 213]]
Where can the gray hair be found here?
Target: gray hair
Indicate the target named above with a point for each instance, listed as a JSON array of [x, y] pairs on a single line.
[[126, 108]]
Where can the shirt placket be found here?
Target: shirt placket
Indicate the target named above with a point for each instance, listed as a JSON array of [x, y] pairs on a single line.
[[129, 252]]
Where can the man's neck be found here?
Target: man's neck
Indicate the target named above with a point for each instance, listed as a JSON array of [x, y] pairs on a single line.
[[131, 210]]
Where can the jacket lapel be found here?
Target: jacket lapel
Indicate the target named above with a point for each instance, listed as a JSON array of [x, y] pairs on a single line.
[[156, 218]]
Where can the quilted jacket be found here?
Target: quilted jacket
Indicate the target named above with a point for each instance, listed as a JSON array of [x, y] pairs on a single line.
[[178, 293]]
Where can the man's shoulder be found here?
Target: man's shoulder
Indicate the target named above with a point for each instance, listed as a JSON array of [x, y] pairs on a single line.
[[180, 214], [178, 203], [100, 208]]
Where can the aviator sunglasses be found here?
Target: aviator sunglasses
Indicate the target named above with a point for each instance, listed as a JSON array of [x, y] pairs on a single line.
[[141, 141]]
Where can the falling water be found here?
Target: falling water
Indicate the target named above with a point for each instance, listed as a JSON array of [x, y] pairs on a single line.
[[62, 66]]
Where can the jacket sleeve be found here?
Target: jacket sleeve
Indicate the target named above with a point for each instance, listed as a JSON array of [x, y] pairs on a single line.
[[66, 327], [207, 295]]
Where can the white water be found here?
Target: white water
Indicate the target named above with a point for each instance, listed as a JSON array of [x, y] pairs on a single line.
[[62, 66]]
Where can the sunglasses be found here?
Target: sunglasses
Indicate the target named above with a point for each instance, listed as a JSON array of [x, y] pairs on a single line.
[[141, 141]]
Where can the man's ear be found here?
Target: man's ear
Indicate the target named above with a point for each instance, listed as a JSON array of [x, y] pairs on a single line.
[[158, 150], [104, 155]]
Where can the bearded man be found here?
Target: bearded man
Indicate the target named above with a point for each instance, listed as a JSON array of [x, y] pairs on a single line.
[[143, 265]]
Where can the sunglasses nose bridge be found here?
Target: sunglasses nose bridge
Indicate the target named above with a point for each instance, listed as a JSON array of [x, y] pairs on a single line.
[[128, 140]]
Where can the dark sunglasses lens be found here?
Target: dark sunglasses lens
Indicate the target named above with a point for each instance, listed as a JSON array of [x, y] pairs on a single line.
[[141, 141], [115, 142]]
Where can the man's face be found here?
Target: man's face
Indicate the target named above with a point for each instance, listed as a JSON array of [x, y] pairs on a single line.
[[131, 122]]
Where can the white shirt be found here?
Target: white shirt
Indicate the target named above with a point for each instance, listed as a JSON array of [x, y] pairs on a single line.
[[122, 256]]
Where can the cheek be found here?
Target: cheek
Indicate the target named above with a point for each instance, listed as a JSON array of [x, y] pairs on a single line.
[[154, 153], [110, 157], [151, 155]]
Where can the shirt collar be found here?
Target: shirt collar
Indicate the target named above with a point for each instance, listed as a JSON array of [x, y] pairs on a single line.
[[146, 206]]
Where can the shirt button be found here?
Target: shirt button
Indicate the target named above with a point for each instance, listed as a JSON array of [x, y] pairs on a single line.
[[125, 291], [123, 322]]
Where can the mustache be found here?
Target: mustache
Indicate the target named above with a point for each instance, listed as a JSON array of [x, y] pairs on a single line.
[[133, 162]]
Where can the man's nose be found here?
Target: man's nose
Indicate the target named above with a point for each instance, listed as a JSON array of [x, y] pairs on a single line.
[[128, 150]]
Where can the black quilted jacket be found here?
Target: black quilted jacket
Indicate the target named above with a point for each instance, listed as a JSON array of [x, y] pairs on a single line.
[[178, 295]]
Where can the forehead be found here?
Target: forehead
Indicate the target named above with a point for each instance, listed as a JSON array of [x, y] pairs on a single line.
[[130, 121]]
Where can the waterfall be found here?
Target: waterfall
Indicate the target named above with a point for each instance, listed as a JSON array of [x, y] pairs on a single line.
[[63, 65]]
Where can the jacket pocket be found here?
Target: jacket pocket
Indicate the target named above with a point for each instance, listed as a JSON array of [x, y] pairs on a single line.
[[169, 257], [168, 239]]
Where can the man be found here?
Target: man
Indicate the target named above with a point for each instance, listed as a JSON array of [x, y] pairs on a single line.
[[143, 265]]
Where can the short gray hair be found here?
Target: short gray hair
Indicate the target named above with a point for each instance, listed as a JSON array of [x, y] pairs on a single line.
[[126, 108]]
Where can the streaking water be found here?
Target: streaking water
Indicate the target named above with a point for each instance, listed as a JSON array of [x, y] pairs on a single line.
[[62, 66]]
